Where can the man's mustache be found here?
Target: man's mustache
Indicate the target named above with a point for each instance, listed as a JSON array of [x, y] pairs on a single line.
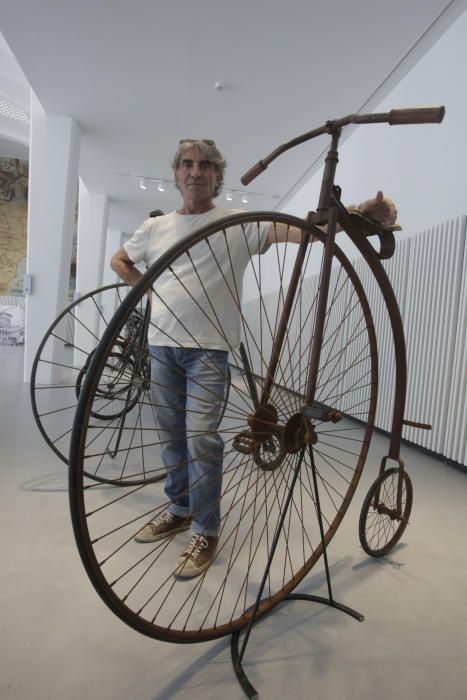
[[195, 180]]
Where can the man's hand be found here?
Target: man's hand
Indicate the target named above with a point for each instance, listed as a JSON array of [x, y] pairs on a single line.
[[125, 267], [380, 208]]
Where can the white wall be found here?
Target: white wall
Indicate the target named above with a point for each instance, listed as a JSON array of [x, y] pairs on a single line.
[[421, 167]]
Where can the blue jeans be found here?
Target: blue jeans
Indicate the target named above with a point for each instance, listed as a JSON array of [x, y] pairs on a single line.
[[188, 392]]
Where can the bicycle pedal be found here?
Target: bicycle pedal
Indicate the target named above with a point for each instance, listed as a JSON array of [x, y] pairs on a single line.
[[270, 446], [244, 443]]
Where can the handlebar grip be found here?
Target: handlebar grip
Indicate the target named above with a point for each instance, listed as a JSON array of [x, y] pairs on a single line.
[[418, 115], [253, 172]]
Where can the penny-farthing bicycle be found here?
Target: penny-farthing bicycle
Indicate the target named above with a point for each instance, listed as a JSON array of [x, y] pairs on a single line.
[[296, 429]]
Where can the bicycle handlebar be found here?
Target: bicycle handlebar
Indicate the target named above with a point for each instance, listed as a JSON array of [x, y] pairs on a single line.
[[421, 115], [416, 115]]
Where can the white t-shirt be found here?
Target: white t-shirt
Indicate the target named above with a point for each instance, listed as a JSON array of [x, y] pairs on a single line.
[[196, 303]]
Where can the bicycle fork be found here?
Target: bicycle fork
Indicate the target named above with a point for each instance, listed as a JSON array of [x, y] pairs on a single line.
[[325, 214], [299, 431]]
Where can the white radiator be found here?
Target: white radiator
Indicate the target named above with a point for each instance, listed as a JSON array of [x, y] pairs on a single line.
[[429, 275]]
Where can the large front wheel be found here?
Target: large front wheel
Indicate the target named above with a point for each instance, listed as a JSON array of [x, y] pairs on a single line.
[[261, 430]]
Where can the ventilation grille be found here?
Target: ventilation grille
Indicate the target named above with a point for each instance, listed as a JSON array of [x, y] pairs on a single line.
[[11, 111]]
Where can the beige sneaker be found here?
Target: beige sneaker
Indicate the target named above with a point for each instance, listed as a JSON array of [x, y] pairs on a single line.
[[164, 525], [196, 557]]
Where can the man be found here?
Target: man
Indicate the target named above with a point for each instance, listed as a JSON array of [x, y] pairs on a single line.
[[187, 371]]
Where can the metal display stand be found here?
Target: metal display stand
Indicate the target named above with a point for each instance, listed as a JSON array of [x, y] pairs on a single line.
[[237, 650]]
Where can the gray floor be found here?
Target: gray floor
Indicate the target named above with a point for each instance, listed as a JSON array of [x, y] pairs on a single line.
[[60, 642]]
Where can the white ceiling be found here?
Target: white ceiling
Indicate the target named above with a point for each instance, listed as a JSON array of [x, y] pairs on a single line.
[[139, 76]]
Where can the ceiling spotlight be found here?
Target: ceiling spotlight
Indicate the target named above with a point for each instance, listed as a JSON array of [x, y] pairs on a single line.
[[228, 196], [143, 184], [244, 199], [161, 187]]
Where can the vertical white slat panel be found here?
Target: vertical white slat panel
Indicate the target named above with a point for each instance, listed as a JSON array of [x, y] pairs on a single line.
[[455, 445], [430, 325], [420, 307]]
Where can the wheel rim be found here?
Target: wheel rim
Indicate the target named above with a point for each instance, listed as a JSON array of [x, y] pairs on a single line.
[[136, 581], [381, 527]]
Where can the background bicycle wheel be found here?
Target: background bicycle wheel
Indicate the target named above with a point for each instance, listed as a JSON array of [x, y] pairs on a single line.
[[63, 358]]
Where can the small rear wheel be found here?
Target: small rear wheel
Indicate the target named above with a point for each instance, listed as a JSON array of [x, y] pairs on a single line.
[[382, 523]]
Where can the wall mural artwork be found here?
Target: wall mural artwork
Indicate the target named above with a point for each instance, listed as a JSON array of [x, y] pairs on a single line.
[[14, 178], [13, 224], [14, 174]]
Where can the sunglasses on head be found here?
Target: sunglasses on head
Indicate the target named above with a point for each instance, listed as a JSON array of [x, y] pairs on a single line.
[[208, 142]]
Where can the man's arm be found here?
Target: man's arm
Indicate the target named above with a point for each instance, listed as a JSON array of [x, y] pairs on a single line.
[[125, 267], [380, 208]]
